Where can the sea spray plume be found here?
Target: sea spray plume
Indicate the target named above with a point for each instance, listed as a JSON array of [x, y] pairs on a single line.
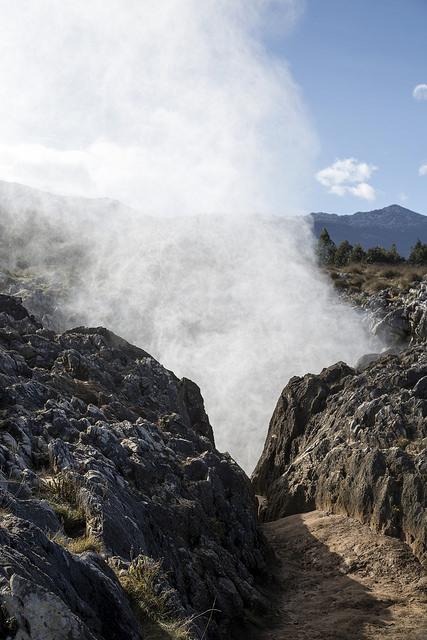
[[175, 108], [236, 303]]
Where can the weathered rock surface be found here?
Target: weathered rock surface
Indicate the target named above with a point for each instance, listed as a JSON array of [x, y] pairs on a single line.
[[353, 442], [396, 319], [135, 445]]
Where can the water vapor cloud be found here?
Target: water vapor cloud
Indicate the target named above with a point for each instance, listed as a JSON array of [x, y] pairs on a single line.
[[176, 109], [174, 105]]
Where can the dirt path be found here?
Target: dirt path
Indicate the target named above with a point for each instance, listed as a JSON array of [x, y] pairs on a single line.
[[339, 580]]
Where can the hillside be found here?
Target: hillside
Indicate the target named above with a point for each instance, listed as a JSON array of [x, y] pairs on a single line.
[[381, 227]]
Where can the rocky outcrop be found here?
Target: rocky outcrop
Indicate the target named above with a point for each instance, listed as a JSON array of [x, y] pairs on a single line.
[[396, 318], [107, 458], [353, 442], [42, 294]]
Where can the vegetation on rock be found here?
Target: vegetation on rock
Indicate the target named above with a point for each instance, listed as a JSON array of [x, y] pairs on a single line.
[[153, 603]]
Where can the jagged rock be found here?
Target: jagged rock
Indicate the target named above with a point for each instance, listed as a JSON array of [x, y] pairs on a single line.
[[137, 448], [353, 442], [366, 360], [52, 594], [394, 326], [396, 318]]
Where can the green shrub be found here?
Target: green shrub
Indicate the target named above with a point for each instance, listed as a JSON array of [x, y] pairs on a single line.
[[357, 254], [343, 254], [326, 248], [418, 254], [380, 255]]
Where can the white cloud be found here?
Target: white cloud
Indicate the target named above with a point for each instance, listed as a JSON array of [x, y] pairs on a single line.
[[348, 176], [420, 92], [423, 170], [363, 190]]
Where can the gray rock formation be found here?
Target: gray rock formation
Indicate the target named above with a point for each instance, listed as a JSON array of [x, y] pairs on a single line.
[[396, 319], [354, 443], [106, 458]]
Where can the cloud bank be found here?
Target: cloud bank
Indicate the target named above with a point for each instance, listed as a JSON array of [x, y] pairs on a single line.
[[423, 170], [348, 176]]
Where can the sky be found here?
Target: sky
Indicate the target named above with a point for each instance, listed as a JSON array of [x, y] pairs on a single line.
[[181, 106], [357, 64]]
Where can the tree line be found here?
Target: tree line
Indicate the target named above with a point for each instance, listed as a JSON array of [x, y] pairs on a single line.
[[330, 254]]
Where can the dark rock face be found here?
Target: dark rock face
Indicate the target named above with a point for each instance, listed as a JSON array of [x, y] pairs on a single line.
[[137, 445], [396, 319], [355, 443], [49, 593]]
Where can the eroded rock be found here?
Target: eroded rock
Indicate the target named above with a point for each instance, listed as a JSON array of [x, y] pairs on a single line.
[[137, 451], [353, 442]]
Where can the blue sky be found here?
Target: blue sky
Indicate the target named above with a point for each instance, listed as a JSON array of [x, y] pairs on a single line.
[[357, 64]]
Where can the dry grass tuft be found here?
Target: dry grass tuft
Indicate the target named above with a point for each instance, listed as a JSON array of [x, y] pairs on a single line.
[[63, 494], [152, 604], [372, 278], [85, 543], [79, 545]]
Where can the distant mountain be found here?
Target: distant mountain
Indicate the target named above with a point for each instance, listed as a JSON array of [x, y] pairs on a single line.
[[379, 227]]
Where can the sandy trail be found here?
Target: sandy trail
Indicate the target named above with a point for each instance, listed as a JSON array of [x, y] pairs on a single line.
[[336, 579]]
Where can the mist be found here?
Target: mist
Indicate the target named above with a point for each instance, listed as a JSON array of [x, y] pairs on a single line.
[[176, 110]]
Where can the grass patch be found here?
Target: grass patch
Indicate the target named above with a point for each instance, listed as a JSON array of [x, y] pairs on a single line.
[[372, 278], [79, 545], [63, 494], [4, 513], [151, 602]]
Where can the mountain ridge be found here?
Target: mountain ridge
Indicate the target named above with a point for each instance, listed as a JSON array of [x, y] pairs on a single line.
[[379, 227]]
